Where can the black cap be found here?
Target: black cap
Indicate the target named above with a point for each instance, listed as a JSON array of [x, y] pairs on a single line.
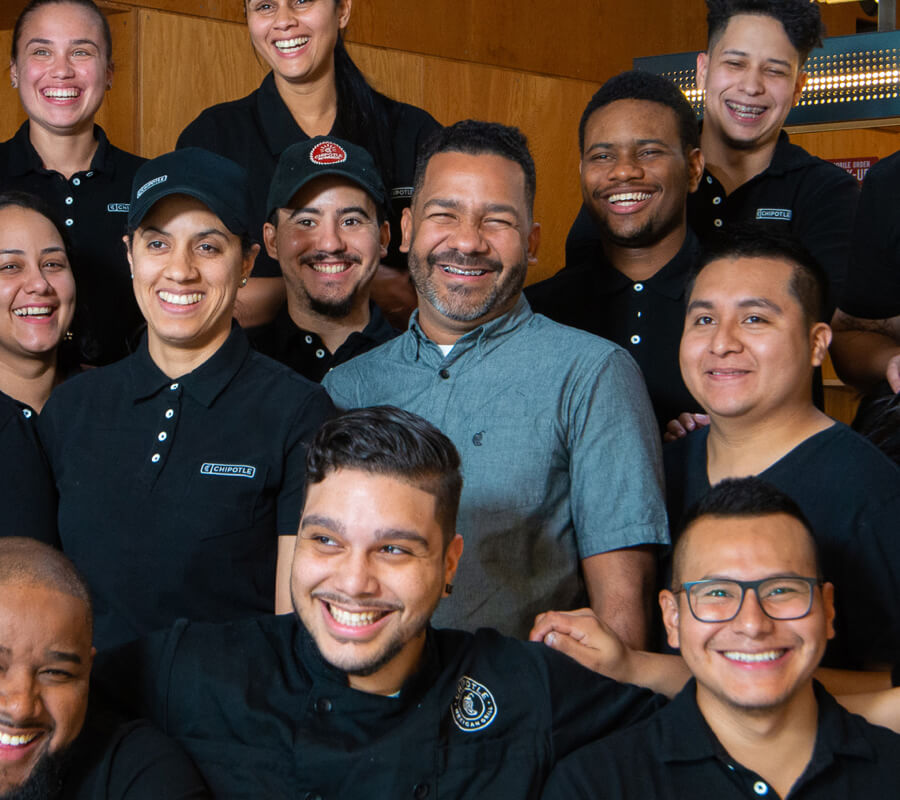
[[323, 155], [214, 180]]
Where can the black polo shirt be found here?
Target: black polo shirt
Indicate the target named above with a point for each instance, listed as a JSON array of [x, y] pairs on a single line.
[[645, 317], [93, 208], [263, 715], [798, 194], [675, 755], [173, 492], [118, 760], [850, 492], [304, 351], [255, 130], [27, 493], [872, 290]]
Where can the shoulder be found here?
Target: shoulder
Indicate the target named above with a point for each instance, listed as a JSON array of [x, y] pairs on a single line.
[[219, 121], [409, 116], [129, 162], [815, 172], [90, 382]]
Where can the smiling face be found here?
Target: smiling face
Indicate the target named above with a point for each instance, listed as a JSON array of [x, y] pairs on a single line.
[[187, 268], [635, 173], [37, 288], [751, 663], [329, 245], [61, 67], [45, 664], [747, 349], [752, 80], [296, 38], [369, 569], [470, 238]]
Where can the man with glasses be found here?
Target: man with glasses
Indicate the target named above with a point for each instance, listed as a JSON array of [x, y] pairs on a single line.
[[751, 615]]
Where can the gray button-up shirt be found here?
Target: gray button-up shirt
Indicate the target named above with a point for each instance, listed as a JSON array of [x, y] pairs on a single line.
[[559, 447]]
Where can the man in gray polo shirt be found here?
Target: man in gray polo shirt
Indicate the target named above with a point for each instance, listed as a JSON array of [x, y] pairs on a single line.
[[562, 502]]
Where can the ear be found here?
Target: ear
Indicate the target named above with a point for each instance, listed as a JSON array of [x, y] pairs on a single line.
[[798, 87], [248, 261], [451, 560], [128, 255], [406, 230], [13, 73], [696, 164], [270, 235], [344, 8], [702, 67], [828, 605], [670, 614], [819, 340], [534, 241], [384, 237]]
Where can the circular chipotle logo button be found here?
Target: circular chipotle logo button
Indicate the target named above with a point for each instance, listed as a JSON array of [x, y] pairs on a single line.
[[328, 153]]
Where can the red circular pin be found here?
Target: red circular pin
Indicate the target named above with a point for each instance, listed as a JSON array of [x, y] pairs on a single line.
[[328, 153]]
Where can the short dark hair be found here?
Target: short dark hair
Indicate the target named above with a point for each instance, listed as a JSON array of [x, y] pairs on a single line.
[[801, 20], [808, 283], [90, 5], [390, 441], [477, 138], [638, 85], [24, 560], [741, 498]]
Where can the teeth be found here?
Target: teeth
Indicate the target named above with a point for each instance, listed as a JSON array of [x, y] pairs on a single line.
[[746, 111], [331, 269], [61, 92], [753, 658], [17, 741], [291, 44], [33, 311], [354, 619], [180, 299], [457, 271], [629, 197]]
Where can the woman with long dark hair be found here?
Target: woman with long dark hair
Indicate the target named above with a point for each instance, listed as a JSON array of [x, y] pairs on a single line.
[[314, 89]]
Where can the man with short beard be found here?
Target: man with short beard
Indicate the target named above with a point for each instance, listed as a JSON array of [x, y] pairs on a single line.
[[558, 442], [328, 229], [52, 744], [640, 160]]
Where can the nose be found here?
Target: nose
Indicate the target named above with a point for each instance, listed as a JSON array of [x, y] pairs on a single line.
[[284, 16], [724, 340], [36, 282], [181, 266], [627, 167], [330, 240], [355, 577], [751, 619], [751, 82], [61, 67], [468, 237], [19, 698]]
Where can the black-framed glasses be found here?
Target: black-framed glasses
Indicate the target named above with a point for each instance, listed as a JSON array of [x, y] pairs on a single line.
[[721, 599]]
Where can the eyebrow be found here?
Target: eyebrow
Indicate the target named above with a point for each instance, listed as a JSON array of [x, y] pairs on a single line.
[[750, 302], [318, 212], [53, 655], [744, 54], [37, 40], [401, 533], [322, 522], [198, 235], [611, 145], [491, 208], [52, 249]]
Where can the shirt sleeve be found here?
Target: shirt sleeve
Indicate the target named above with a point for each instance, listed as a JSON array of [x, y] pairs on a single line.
[[340, 383], [307, 421], [872, 288], [615, 460]]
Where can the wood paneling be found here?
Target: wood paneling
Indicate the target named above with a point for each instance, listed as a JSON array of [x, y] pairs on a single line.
[[855, 143]]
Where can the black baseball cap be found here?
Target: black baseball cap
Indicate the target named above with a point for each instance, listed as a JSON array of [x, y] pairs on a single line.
[[323, 155], [214, 180]]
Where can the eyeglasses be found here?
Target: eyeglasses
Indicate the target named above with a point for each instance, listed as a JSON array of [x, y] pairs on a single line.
[[720, 600]]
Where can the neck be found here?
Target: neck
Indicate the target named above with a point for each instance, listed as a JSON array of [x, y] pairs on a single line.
[[177, 361], [332, 331], [390, 678], [29, 380], [642, 263], [732, 166], [738, 447], [775, 743], [313, 103], [65, 154]]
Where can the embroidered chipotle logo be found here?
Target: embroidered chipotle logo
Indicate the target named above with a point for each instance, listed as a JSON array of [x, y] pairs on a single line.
[[473, 707], [328, 153]]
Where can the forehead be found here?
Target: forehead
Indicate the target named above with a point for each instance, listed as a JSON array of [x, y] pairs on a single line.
[[37, 618], [331, 191], [478, 180], [632, 119], [62, 21], [19, 224], [746, 548], [757, 35], [734, 280], [365, 504]]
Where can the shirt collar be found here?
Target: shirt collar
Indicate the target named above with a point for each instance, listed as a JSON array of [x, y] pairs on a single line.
[[23, 158], [205, 383], [279, 128], [286, 331], [485, 337]]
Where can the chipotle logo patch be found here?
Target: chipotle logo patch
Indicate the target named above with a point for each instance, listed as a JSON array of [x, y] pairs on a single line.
[[328, 153]]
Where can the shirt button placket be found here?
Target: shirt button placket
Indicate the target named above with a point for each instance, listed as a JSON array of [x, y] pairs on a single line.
[[167, 424]]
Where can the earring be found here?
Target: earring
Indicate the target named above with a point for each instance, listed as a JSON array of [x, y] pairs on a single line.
[[68, 336], [448, 588], [14, 83], [243, 281]]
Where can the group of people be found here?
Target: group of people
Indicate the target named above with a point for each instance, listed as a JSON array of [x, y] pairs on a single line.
[[224, 420]]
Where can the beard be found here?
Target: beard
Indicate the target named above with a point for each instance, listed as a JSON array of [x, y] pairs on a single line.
[[333, 309], [45, 781]]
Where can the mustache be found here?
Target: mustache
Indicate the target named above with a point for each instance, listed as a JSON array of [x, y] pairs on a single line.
[[320, 255], [456, 259], [351, 603]]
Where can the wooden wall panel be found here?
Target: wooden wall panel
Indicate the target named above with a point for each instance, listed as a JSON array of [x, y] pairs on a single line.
[[861, 142], [11, 113]]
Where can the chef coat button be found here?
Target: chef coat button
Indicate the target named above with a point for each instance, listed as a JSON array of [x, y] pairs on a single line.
[[162, 436], [70, 222], [26, 412], [320, 353], [635, 339], [155, 458], [323, 705], [420, 791], [444, 373], [91, 174], [709, 178], [639, 287], [717, 201], [760, 788], [308, 339], [170, 413], [69, 201], [173, 387], [718, 223], [76, 181]]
